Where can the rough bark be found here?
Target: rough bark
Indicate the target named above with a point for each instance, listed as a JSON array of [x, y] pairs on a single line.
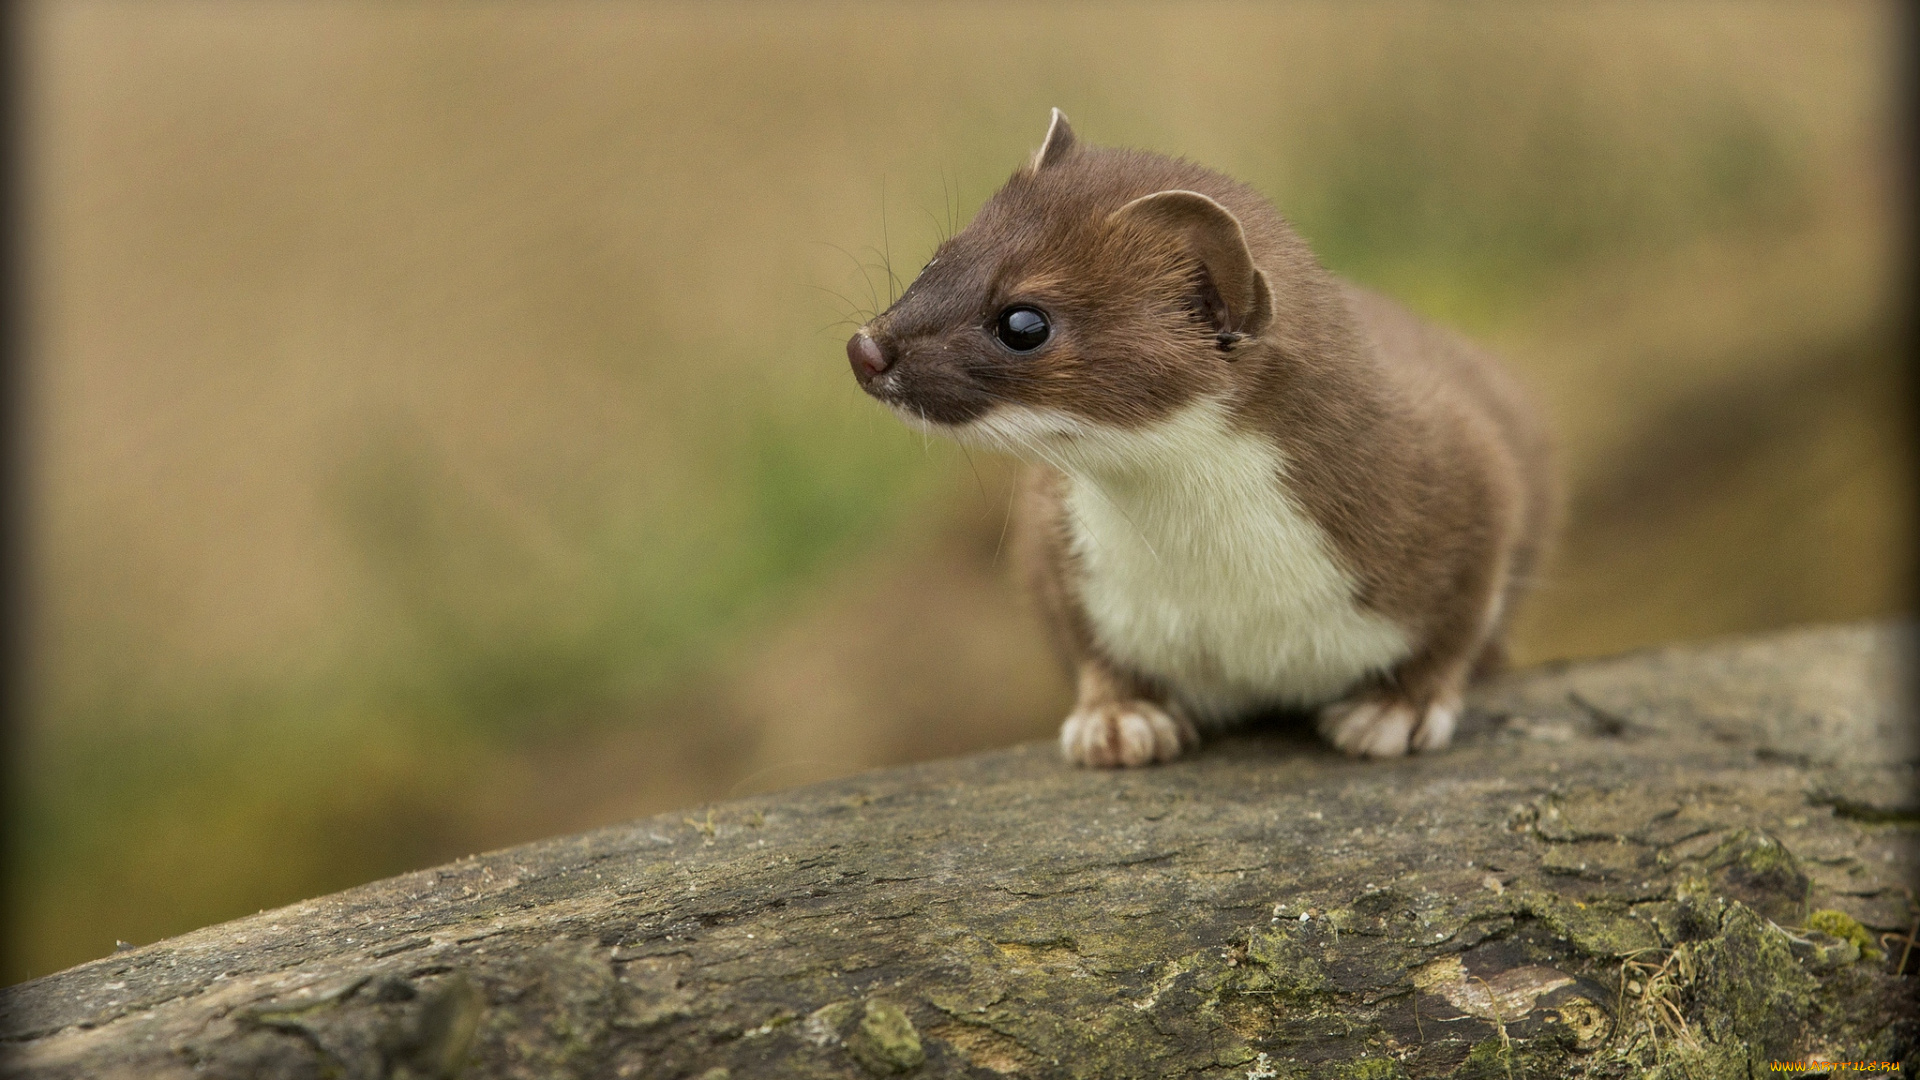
[[1681, 862]]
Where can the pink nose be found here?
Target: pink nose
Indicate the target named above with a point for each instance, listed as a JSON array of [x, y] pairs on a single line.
[[866, 357]]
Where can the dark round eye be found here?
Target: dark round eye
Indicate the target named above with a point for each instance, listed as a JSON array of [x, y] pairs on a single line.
[[1022, 329]]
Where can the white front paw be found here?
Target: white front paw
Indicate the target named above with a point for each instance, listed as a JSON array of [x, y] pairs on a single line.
[[1436, 727], [1125, 733], [1387, 726], [1368, 727]]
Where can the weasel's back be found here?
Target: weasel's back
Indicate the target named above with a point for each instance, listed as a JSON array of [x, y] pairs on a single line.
[[1439, 361], [1433, 360]]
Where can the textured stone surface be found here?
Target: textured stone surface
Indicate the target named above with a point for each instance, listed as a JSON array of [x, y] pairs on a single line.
[[1682, 862]]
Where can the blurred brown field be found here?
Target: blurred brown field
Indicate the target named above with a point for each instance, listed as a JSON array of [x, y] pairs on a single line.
[[441, 435]]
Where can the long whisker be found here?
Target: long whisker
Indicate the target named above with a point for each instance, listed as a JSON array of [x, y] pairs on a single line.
[[981, 484], [872, 295], [893, 279], [886, 256], [953, 202], [852, 313], [939, 233], [1006, 522], [946, 201]]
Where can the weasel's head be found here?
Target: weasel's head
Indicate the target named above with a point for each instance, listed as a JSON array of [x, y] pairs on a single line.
[[1095, 291]]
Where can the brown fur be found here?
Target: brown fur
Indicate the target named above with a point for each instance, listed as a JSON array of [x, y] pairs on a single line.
[[1422, 462]]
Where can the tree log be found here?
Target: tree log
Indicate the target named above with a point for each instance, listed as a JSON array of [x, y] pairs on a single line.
[[1685, 862]]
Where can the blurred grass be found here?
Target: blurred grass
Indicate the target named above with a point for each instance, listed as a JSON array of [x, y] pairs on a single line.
[[511, 625], [443, 437], [1461, 216]]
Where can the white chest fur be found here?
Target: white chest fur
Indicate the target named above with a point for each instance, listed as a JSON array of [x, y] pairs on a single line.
[[1199, 568]]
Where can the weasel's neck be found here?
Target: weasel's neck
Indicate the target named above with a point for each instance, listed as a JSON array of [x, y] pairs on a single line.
[[1193, 481]]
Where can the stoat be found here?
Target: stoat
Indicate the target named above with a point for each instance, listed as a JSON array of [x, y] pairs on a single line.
[[1252, 485]]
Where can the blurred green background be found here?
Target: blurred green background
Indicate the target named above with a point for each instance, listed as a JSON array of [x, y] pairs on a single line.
[[441, 435]]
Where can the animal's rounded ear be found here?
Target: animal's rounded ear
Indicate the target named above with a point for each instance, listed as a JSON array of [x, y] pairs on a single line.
[[1214, 236], [1058, 144]]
